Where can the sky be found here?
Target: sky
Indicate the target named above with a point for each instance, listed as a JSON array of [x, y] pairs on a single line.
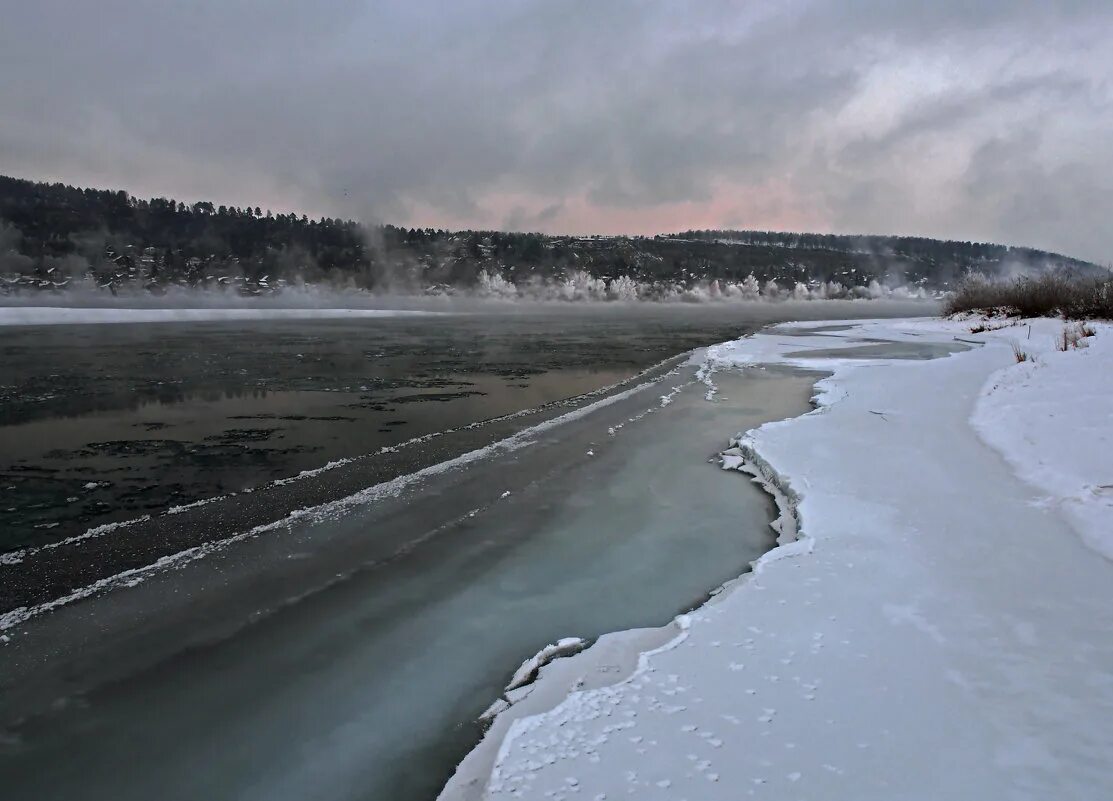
[[979, 120]]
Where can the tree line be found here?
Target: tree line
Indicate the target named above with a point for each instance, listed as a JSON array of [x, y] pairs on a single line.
[[52, 232]]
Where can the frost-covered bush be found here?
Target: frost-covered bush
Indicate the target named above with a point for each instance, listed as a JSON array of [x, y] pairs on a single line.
[[1049, 295], [622, 288], [580, 286], [495, 286]]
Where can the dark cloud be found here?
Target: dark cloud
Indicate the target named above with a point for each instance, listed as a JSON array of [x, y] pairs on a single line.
[[979, 120]]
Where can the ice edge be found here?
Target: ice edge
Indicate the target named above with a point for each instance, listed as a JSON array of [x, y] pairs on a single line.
[[744, 456]]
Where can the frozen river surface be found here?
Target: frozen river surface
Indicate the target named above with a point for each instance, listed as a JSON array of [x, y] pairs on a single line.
[[347, 652], [365, 685]]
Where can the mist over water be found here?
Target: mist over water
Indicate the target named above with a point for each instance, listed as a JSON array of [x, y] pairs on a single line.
[[155, 414], [493, 294]]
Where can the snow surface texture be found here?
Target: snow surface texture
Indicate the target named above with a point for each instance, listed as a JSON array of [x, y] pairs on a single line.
[[61, 315], [1052, 419], [936, 628]]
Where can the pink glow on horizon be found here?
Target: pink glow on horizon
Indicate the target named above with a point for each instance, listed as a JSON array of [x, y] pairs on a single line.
[[772, 206]]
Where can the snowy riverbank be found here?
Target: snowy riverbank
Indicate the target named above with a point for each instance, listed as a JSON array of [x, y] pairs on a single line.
[[938, 628]]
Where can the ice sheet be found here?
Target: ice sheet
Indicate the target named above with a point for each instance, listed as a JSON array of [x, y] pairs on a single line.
[[937, 629]]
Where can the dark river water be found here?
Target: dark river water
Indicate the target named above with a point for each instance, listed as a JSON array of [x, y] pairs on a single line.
[[102, 423], [346, 652], [108, 422]]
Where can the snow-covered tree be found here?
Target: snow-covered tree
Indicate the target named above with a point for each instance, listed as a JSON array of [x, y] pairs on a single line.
[[495, 286], [622, 288]]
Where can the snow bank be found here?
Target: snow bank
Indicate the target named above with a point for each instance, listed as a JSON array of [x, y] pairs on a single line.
[[1052, 419], [63, 315], [935, 629]]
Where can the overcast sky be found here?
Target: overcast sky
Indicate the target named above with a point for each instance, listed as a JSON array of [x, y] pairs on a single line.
[[965, 119]]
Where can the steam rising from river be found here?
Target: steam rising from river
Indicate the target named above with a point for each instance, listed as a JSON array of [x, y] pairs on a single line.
[[578, 288]]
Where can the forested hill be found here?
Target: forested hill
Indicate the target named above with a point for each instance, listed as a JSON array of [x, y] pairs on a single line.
[[53, 236]]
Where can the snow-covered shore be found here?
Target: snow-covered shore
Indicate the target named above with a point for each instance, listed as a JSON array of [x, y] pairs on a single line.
[[938, 628]]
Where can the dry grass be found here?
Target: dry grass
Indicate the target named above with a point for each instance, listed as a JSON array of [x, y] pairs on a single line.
[[1052, 294], [981, 328], [1021, 355], [1067, 339], [1073, 336]]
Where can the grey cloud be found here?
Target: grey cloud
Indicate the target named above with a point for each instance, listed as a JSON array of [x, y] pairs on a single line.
[[380, 109], [519, 219]]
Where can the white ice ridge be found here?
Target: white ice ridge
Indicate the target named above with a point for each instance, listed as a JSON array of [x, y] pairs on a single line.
[[68, 315], [527, 672], [936, 629]]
